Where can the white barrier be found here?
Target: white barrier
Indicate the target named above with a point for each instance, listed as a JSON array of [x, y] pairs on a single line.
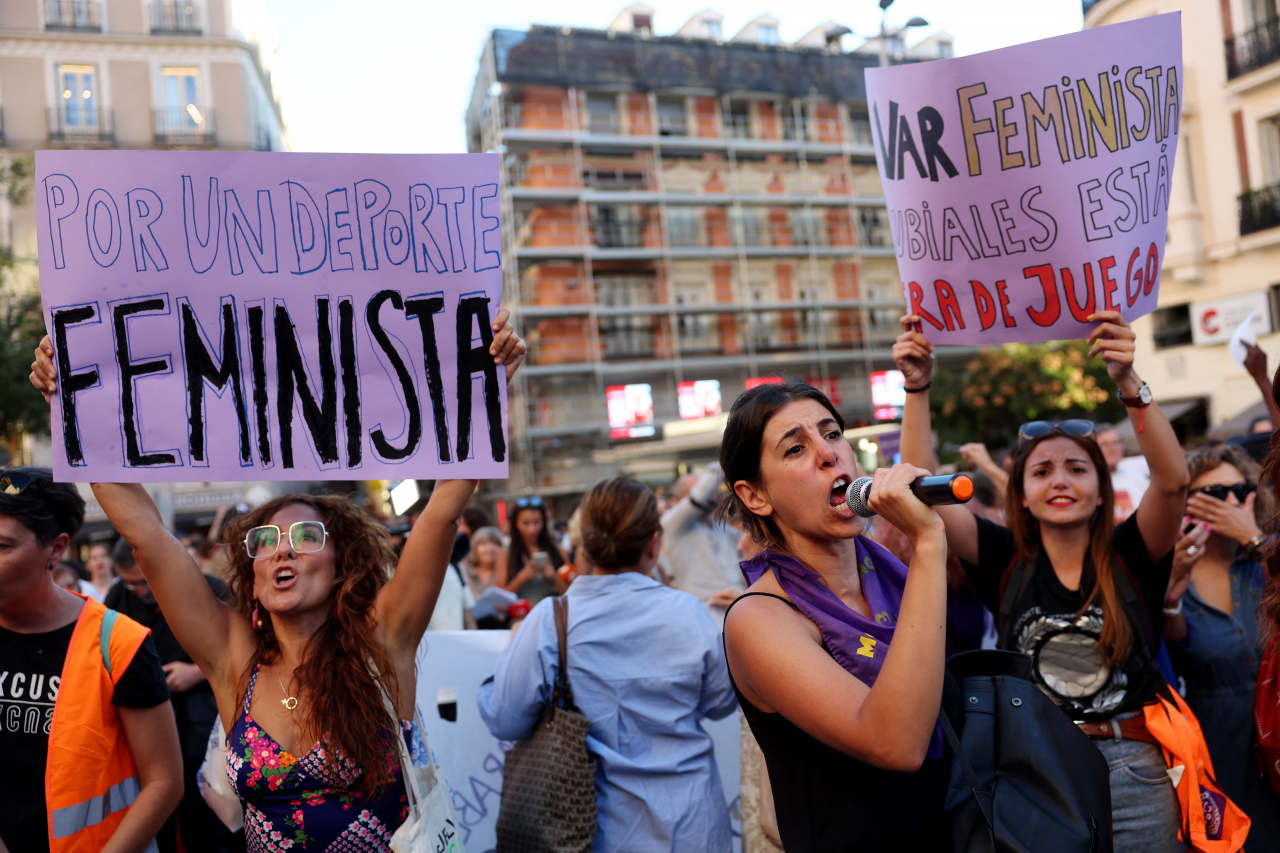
[[472, 758]]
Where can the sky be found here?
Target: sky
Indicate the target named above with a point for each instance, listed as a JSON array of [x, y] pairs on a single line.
[[391, 76]]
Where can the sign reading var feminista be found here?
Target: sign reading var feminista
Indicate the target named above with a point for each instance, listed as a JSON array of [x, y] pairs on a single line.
[[244, 316], [1028, 187]]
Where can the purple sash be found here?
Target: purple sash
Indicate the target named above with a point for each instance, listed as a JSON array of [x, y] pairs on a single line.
[[855, 642]]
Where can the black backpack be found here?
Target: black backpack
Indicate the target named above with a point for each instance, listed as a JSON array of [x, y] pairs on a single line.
[[1022, 777]]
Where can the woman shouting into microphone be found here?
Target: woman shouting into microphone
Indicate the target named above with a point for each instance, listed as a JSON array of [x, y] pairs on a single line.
[[836, 651]]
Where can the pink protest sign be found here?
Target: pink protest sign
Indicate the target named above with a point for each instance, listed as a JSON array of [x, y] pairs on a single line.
[[242, 316], [1029, 187]]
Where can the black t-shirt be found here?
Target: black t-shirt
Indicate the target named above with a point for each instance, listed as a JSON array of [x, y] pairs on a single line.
[[195, 709], [30, 675], [1065, 660]]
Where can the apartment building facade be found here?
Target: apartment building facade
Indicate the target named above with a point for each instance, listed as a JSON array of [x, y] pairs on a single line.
[[1222, 259], [680, 212], [185, 74], [163, 74]]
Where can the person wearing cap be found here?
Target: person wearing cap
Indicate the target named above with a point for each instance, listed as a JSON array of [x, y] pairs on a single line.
[[92, 758]]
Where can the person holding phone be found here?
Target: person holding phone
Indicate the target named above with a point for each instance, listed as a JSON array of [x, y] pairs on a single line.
[[534, 550], [1090, 611]]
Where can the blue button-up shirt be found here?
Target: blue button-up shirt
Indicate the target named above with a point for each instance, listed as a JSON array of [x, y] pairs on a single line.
[[645, 663]]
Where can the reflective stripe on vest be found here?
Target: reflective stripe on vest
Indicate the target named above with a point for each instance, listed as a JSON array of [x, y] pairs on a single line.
[[104, 639], [72, 819]]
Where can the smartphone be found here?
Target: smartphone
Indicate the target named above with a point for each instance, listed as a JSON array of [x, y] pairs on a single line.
[[541, 558], [1186, 531]]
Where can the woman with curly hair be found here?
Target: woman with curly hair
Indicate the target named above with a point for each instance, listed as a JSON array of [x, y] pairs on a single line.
[[1212, 624], [321, 629]]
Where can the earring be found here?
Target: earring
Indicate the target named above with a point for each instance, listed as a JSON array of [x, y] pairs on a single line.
[[337, 612], [254, 620]]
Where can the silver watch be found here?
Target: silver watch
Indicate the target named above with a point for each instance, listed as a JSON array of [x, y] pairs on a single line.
[[1143, 397]]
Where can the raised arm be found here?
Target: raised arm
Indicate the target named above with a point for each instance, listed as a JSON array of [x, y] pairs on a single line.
[[1256, 363], [913, 355], [209, 631], [405, 604], [1161, 510]]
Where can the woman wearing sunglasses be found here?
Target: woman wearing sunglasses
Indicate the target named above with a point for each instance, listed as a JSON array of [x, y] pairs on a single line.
[[321, 630], [534, 551], [1212, 624], [1082, 596]]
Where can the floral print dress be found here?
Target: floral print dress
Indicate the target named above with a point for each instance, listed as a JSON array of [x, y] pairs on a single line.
[[299, 804]]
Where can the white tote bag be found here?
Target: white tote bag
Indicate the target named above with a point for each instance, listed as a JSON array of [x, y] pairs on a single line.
[[215, 787], [432, 825]]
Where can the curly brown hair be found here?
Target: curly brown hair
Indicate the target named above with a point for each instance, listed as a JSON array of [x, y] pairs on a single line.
[[338, 664], [1202, 460]]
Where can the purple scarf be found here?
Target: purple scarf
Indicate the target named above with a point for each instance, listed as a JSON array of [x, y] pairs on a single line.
[[857, 643]]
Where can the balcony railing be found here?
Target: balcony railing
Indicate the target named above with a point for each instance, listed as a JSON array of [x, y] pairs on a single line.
[[618, 234], [615, 179], [188, 125], [603, 122], [77, 15], [175, 17], [672, 124], [1253, 48], [1259, 209], [537, 116], [77, 123]]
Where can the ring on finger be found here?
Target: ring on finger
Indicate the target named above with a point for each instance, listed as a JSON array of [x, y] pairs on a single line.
[[1192, 550]]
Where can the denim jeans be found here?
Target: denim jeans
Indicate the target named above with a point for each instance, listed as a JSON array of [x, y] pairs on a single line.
[[1144, 806]]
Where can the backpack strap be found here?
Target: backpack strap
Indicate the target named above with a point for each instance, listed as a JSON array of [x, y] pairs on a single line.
[[982, 795], [1017, 579], [104, 639]]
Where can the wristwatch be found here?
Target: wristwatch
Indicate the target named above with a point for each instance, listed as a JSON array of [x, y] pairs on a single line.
[[1255, 543], [1141, 401]]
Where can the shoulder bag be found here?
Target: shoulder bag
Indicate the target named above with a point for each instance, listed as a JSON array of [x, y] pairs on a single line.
[[432, 825], [549, 780]]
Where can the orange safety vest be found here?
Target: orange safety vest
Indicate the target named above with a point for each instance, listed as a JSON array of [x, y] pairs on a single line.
[[1211, 823], [90, 780]]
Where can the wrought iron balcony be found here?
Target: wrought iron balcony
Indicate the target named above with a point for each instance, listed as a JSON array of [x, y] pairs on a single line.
[[1259, 209], [73, 122], [75, 15], [1253, 48], [175, 17], [189, 125]]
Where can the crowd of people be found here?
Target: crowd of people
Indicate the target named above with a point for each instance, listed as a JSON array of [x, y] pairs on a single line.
[[751, 587]]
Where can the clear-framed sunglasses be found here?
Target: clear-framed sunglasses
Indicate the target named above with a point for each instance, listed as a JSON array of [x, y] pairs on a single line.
[[304, 538]]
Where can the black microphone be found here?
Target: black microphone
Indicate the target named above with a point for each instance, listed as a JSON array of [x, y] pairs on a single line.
[[935, 490]]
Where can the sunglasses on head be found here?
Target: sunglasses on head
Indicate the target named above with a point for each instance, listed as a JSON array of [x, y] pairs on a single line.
[[1075, 427], [16, 482], [534, 501], [1240, 490]]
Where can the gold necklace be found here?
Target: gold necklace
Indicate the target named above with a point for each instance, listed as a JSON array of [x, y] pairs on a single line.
[[290, 702]]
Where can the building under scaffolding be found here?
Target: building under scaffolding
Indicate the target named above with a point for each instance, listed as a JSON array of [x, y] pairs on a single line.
[[681, 211]]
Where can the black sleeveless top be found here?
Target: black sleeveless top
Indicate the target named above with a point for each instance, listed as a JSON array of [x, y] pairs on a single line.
[[829, 802]]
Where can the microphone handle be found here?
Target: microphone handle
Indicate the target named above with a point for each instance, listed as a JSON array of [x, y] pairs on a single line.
[[943, 489]]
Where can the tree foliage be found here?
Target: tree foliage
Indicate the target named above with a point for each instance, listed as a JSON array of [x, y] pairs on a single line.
[[1004, 387], [22, 409]]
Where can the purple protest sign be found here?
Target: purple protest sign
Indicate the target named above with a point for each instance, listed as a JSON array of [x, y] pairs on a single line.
[[1029, 187], [224, 316]]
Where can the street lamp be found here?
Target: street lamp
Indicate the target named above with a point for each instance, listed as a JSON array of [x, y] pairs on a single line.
[[915, 21]]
